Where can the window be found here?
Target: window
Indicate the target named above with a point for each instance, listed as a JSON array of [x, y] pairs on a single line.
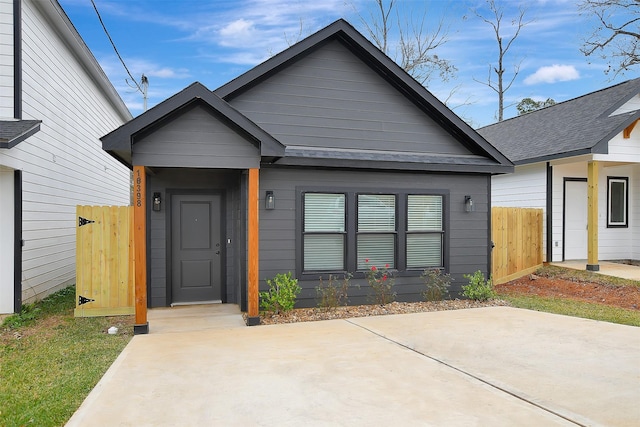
[[376, 230], [424, 231], [617, 201], [324, 232], [341, 231]]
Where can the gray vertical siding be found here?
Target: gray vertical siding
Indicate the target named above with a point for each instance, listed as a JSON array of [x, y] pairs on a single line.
[[185, 181], [197, 139], [467, 236], [330, 98]]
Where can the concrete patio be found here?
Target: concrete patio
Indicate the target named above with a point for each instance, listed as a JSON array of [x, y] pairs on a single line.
[[496, 366]]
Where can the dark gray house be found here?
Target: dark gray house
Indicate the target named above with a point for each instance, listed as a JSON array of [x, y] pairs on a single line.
[[327, 158]]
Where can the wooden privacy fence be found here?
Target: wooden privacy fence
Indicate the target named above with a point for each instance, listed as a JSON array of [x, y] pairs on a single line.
[[104, 261], [517, 236]]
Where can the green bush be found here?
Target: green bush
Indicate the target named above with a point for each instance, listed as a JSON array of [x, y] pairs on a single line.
[[437, 284], [382, 283], [478, 288], [282, 294], [333, 294]]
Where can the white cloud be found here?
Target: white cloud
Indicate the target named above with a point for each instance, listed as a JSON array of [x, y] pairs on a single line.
[[552, 74]]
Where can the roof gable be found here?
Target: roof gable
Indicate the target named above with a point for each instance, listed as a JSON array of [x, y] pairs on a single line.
[[119, 142], [387, 71], [578, 126]]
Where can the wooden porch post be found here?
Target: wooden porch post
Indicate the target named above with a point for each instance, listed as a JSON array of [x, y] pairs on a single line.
[[141, 325], [253, 233], [592, 216]]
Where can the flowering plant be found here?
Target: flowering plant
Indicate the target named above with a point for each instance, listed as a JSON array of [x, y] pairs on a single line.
[[382, 282]]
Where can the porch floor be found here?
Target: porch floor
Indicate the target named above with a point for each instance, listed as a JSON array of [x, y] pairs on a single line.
[[187, 318], [607, 268]]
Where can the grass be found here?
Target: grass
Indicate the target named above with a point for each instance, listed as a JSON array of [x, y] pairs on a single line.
[[567, 307], [574, 308], [50, 361]]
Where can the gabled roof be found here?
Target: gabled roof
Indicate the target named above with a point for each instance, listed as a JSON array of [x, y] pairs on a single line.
[[583, 125], [386, 68], [119, 142], [12, 132]]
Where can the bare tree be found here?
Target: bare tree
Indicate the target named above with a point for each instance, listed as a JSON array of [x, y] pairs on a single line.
[[416, 47], [617, 34], [504, 44]]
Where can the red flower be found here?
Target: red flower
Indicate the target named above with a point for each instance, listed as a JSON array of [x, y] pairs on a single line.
[[366, 260], [386, 266], [384, 277], [373, 268]]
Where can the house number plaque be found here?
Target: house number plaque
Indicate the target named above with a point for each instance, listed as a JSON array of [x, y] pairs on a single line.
[[138, 188]]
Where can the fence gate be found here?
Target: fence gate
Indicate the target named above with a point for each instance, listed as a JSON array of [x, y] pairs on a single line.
[[104, 261], [517, 236]]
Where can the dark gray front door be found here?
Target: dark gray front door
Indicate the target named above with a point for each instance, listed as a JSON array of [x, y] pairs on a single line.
[[196, 248]]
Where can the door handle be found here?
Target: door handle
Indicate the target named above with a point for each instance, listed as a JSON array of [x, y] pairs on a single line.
[[217, 252]]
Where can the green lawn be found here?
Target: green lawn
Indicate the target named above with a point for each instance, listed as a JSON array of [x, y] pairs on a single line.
[[585, 310], [49, 360]]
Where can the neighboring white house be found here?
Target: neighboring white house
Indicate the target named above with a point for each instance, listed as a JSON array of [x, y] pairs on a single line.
[[563, 151], [55, 103]]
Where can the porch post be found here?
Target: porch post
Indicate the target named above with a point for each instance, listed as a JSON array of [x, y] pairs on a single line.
[[592, 216], [141, 325], [253, 237]]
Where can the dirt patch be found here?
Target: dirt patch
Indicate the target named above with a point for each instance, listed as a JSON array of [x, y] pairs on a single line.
[[619, 296]]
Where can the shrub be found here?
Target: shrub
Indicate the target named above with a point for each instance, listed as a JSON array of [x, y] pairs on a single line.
[[437, 284], [382, 282], [333, 294], [282, 294], [478, 288]]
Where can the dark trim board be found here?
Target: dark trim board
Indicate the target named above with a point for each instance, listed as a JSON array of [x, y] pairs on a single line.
[[549, 203], [564, 209], [17, 59], [169, 193], [17, 239]]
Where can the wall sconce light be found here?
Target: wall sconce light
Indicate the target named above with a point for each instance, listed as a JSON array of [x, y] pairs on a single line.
[[157, 202], [468, 204], [269, 200]]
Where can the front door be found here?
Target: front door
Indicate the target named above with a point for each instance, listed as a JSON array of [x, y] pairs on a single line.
[[575, 220], [196, 274]]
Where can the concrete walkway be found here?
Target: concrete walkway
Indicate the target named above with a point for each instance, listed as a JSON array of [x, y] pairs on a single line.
[[631, 272], [495, 366]]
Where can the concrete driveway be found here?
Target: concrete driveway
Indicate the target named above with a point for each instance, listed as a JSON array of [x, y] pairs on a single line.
[[495, 366]]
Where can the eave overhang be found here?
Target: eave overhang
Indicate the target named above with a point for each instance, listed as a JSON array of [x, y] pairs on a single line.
[[12, 132]]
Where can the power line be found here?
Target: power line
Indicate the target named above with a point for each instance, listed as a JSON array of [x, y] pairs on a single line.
[[114, 47]]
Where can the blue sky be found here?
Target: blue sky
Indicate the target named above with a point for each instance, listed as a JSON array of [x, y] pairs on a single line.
[[177, 42]]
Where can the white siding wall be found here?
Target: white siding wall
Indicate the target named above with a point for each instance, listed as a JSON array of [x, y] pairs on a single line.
[[631, 105], [63, 164], [624, 149], [525, 188], [613, 243], [6, 58]]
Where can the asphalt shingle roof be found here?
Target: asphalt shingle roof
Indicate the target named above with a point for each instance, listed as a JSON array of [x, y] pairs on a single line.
[[579, 126], [14, 131]]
